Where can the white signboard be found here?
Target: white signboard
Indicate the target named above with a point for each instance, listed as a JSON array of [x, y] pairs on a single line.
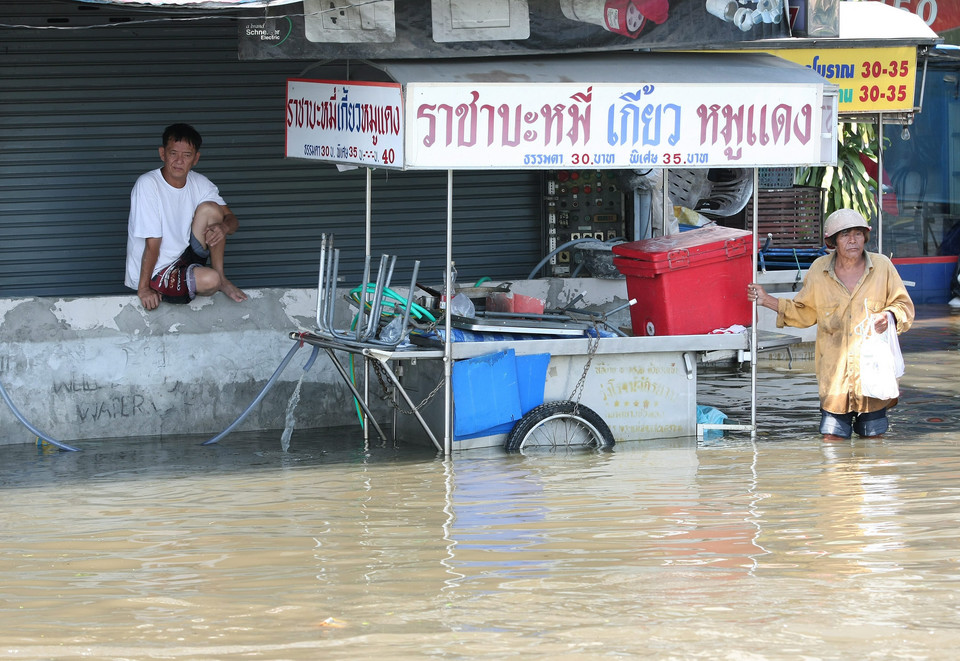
[[350, 122], [613, 125]]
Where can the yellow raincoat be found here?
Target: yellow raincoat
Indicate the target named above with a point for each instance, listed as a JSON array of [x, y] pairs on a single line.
[[825, 301]]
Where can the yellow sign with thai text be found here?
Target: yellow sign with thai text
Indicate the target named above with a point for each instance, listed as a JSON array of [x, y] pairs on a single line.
[[870, 79]]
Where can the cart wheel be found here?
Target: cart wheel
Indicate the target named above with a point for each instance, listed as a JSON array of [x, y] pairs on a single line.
[[559, 425]]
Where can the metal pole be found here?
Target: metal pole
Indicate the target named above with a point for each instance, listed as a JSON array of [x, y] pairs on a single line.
[[398, 389], [753, 328], [369, 204], [447, 341], [923, 82], [880, 183], [363, 296], [666, 203]]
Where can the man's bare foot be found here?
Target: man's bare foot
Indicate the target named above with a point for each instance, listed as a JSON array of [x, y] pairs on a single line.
[[232, 290], [832, 437]]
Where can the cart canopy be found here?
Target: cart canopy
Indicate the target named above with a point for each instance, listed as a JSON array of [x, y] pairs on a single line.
[[603, 111]]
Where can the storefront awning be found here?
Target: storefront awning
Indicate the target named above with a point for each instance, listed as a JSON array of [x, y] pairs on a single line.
[[878, 24], [605, 111], [195, 4]]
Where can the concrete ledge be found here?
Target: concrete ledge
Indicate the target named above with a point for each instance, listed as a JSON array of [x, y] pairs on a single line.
[[103, 367]]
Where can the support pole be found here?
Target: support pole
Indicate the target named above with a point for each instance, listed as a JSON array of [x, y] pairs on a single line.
[[880, 183], [368, 203], [753, 326], [368, 414], [666, 203], [447, 340]]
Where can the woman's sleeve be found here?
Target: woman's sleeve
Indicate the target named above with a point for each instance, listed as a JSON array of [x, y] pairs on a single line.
[[801, 311], [899, 301]]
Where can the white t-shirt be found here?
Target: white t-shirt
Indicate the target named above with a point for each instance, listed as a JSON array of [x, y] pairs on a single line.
[[157, 209]]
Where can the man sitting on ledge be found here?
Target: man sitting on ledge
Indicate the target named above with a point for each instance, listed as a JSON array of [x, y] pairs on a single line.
[[177, 222]]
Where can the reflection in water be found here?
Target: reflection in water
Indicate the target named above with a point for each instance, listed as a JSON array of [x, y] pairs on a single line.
[[773, 548], [663, 548]]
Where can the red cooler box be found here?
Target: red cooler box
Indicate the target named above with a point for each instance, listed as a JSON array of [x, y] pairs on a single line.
[[688, 283]]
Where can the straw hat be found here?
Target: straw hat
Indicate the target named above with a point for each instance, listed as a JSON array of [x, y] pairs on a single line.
[[839, 220]]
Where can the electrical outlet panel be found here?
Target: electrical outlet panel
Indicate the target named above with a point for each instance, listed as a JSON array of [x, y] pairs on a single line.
[[349, 21], [470, 20], [580, 204]]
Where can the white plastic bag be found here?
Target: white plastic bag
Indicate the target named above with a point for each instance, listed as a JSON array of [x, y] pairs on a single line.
[[392, 333], [462, 306], [878, 369], [894, 342]]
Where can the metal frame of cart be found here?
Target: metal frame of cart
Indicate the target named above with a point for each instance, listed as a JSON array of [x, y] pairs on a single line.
[[602, 111]]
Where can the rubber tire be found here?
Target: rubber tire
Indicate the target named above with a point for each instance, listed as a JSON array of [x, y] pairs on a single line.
[[523, 436]]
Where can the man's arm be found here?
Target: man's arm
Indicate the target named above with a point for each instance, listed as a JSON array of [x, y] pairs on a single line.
[[229, 220], [151, 252], [217, 232]]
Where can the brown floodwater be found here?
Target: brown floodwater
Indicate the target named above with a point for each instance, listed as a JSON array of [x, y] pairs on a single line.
[[774, 547]]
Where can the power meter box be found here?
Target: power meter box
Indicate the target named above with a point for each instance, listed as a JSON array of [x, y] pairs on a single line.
[[579, 204]]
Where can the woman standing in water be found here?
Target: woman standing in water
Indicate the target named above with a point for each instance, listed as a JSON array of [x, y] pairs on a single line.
[[841, 291]]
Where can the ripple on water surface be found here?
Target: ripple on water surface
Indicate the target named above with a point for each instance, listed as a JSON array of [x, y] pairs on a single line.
[[773, 548]]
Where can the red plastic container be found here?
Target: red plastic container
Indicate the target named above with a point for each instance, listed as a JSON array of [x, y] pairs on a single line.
[[689, 283]]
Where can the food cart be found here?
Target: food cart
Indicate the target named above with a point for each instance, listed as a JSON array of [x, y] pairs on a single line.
[[623, 111]]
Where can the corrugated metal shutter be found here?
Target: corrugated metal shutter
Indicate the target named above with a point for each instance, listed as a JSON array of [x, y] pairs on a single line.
[[81, 112]]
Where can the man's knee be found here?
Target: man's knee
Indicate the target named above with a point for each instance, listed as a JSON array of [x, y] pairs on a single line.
[[208, 281], [206, 214]]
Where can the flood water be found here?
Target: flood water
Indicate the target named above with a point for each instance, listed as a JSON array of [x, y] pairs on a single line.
[[778, 547]]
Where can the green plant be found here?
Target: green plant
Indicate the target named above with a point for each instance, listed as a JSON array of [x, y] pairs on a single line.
[[847, 184]]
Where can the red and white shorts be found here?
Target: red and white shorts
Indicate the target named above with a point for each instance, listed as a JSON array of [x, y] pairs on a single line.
[[177, 282]]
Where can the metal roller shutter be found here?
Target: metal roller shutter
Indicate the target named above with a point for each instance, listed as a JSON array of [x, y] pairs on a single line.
[[81, 112]]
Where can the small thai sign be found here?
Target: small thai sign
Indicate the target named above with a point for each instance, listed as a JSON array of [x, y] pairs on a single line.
[[615, 125], [349, 122], [870, 79]]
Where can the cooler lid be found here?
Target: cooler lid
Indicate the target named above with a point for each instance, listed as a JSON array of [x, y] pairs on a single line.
[[691, 245]]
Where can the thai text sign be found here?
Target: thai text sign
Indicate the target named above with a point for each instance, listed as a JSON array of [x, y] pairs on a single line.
[[357, 123], [870, 79], [613, 125]]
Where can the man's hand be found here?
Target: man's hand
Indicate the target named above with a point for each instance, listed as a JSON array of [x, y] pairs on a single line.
[[214, 234], [150, 298]]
